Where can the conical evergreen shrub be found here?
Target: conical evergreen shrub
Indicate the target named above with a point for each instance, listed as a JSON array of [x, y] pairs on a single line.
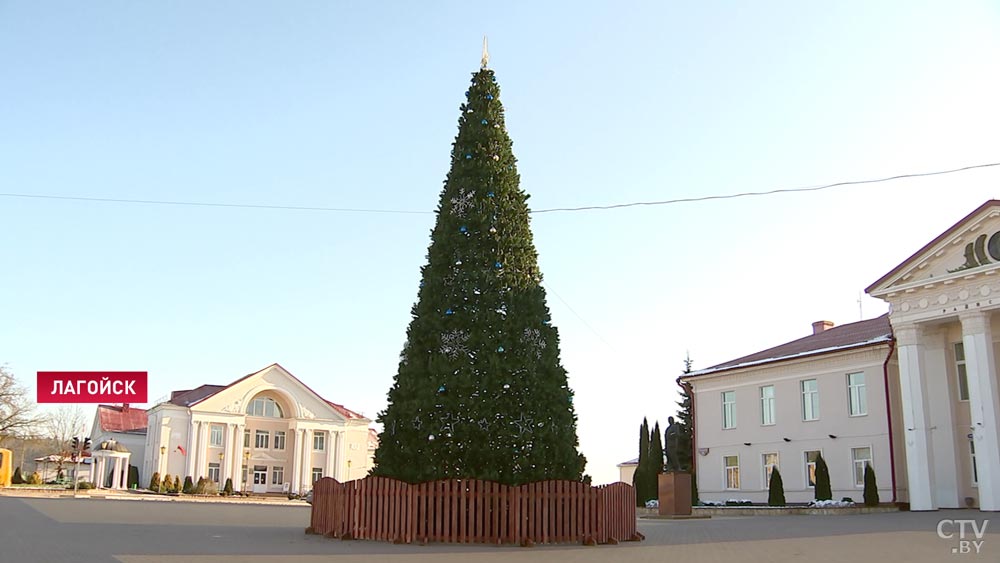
[[228, 489], [154, 482], [188, 486], [823, 491], [871, 487], [17, 479], [776, 489]]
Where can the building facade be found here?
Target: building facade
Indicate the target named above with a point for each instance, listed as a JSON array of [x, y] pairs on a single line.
[[831, 394], [122, 424], [944, 302], [267, 432]]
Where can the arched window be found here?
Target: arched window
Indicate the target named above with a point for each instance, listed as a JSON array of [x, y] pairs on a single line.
[[264, 406]]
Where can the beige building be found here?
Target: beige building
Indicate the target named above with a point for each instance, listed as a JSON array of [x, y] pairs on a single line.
[[267, 431], [944, 303], [832, 393]]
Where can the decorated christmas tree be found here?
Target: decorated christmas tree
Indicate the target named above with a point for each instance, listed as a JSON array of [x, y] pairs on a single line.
[[480, 391]]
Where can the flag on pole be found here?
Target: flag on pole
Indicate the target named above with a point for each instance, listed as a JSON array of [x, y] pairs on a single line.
[[180, 449]]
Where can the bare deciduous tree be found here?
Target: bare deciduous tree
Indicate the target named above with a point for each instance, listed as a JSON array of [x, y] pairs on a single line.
[[17, 410], [62, 425]]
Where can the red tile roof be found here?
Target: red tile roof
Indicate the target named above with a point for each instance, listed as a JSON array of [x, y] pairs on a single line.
[[344, 411], [864, 333], [114, 418]]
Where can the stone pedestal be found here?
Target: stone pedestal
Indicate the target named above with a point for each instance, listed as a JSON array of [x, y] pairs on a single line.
[[674, 494]]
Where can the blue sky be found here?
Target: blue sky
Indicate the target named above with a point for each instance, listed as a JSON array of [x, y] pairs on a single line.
[[339, 105]]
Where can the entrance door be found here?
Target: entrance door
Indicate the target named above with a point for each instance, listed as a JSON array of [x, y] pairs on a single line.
[[259, 479]]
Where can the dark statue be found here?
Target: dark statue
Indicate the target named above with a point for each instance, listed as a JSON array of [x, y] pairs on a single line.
[[672, 437]]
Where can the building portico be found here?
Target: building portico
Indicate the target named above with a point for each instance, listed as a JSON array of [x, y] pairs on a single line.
[[945, 310]]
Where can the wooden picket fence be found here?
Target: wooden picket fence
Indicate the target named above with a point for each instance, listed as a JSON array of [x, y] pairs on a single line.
[[473, 511]]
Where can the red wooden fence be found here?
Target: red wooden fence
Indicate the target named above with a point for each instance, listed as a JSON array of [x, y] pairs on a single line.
[[473, 511]]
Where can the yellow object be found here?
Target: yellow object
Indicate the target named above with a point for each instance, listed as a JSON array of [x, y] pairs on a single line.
[[6, 460]]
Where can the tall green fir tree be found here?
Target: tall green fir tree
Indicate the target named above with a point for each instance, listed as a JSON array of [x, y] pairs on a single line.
[[642, 467], [480, 391], [655, 462]]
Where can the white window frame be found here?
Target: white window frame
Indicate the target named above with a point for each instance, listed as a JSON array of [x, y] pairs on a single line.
[[726, 468], [811, 398], [805, 467], [246, 437], [857, 395], [855, 461], [319, 441], [767, 406], [214, 472], [961, 373], [769, 467], [261, 436], [215, 434], [728, 410], [277, 474], [279, 439], [316, 471]]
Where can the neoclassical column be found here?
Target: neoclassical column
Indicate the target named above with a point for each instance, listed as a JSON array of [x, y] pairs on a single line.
[[305, 483], [238, 456], [224, 462], [296, 458], [202, 468], [342, 456], [916, 417], [116, 472], [192, 447], [984, 404], [330, 467]]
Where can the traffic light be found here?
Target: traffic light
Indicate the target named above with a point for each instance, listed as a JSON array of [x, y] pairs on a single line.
[[86, 444], [76, 444]]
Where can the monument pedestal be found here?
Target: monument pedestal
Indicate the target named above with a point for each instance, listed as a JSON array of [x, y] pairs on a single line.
[[674, 494]]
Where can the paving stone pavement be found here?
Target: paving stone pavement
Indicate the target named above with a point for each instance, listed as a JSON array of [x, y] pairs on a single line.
[[67, 529]]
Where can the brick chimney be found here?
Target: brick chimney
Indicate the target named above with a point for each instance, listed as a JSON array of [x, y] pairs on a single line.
[[820, 326]]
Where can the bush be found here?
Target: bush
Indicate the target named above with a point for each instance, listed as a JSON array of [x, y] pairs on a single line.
[[168, 482], [83, 485], [871, 487], [823, 491], [188, 486], [154, 483], [228, 489], [17, 479], [776, 489], [34, 479], [177, 484], [133, 477]]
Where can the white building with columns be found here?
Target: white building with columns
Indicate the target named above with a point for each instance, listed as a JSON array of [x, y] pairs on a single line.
[[267, 431], [944, 304]]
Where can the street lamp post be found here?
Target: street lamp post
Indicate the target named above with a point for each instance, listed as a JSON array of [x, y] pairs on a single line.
[[163, 453]]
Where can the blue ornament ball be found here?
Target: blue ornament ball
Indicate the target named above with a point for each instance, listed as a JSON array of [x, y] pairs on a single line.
[[468, 156], [499, 348], [490, 194], [498, 265], [449, 312], [484, 122], [441, 389], [489, 96], [463, 229]]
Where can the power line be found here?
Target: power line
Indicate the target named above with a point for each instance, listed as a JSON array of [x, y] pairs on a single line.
[[770, 192], [548, 210]]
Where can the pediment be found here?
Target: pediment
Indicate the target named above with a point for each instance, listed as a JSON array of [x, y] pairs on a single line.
[[970, 247], [297, 398]]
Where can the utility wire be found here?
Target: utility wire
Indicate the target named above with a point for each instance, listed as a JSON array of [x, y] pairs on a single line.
[[549, 210], [770, 192]]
